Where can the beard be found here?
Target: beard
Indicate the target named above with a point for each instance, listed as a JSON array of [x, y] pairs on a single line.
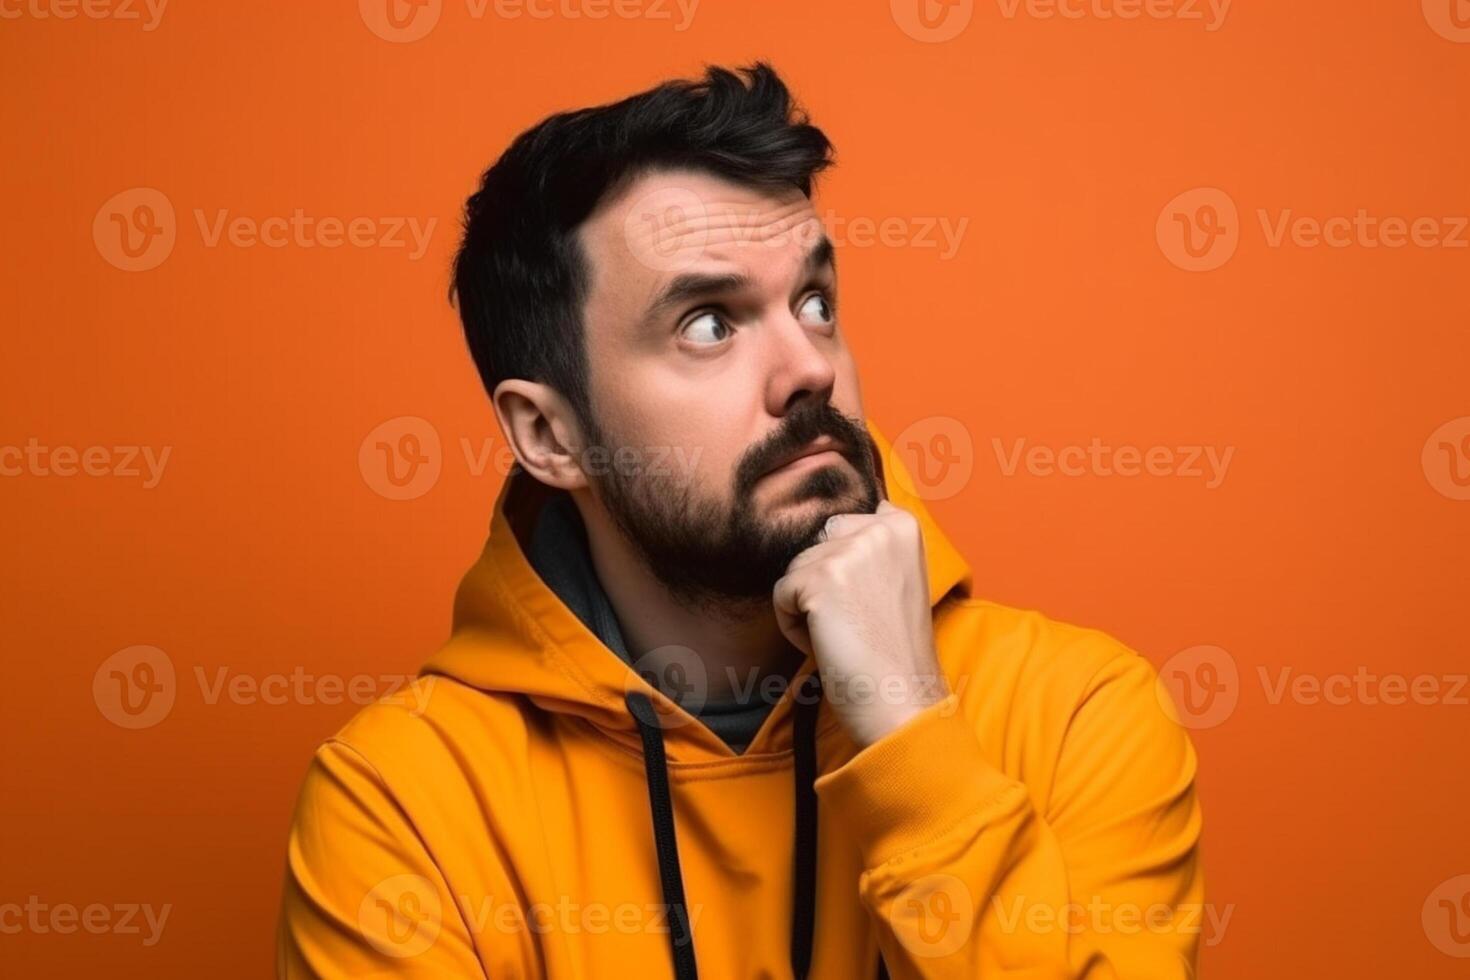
[[713, 555]]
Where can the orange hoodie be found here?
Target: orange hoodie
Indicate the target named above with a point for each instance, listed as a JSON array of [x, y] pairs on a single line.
[[501, 817]]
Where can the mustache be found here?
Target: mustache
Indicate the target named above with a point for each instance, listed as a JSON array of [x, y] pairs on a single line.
[[801, 426]]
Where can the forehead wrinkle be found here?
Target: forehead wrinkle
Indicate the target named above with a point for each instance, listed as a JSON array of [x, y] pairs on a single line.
[[725, 223], [716, 220], [775, 223]]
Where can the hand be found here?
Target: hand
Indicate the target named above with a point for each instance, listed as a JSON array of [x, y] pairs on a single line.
[[858, 601]]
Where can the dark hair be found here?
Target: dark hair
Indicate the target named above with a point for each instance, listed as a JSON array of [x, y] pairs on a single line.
[[520, 278]]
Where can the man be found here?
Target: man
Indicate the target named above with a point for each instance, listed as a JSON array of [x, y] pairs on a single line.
[[718, 697]]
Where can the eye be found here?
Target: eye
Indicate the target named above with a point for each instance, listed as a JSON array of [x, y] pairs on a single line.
[[815, 309], [706, 328]]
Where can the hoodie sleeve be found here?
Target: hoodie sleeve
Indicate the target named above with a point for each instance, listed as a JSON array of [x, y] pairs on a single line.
[[363, 897], [966, 877]]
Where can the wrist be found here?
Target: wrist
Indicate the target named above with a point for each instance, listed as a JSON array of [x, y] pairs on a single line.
[[892, 706], [915, 785]]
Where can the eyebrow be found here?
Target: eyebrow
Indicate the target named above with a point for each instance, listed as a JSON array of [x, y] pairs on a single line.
[[694, 285]]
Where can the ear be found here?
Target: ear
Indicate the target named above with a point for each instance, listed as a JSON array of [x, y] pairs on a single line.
[[541, 429]]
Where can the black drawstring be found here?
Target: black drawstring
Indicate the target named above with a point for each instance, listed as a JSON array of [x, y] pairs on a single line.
[[656, 771], [804, 857], [804, 854]]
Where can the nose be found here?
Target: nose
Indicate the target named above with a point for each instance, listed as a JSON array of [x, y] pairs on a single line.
[[799, 368]]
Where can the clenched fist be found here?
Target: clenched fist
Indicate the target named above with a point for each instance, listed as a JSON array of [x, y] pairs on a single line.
[[858, 601]]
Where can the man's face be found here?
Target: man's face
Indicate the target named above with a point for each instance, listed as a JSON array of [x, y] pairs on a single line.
[[715, 356]]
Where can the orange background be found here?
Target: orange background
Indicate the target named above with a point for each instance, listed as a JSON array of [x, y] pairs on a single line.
[[265, 549]]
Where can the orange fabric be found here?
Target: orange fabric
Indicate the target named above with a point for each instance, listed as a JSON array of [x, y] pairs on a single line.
[[493, 821]]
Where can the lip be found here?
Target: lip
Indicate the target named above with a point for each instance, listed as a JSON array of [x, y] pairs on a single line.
[[820, 446]]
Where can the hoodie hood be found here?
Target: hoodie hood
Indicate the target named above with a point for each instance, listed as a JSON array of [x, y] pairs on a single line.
[[513, 635]]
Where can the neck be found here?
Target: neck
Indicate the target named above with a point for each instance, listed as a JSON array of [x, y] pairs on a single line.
[[738, 642]]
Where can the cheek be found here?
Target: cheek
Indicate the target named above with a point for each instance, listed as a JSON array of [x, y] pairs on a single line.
[[847, 395], [704, 451], [678, 442], [705, 419]]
